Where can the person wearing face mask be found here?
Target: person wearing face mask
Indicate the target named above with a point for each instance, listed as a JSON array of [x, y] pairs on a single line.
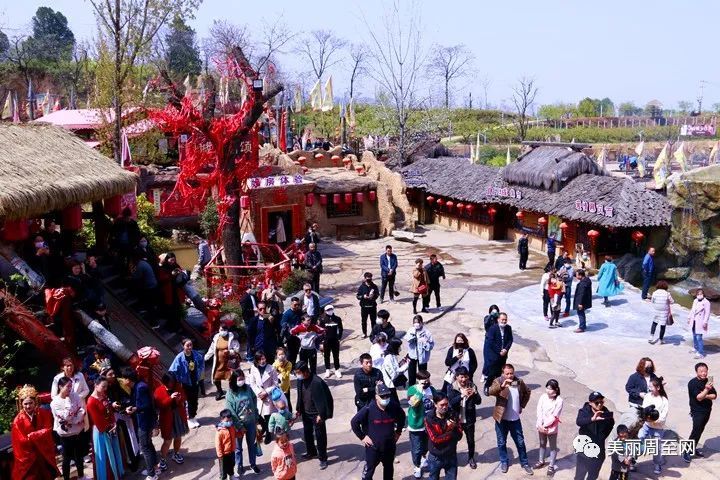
[[595, 421], [315, 406], [549, 408], [394, 367], [379, 425], [367, 295], [464, 399], [263, 380], [283, 367], [281, 420], [638, 383], [654, 426], [498, 341], [511, 397], [460, 354], [365, 381], [698, 322], [420, 400], [225, 352], [333, 326], [242, 403], [69, 414], [382, 324], [420, 344], [377, 350], [444, 432]]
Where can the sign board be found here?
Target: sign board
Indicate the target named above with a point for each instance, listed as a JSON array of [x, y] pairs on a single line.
[[698, 130], [593, 207], [275, 181], [504, 192]]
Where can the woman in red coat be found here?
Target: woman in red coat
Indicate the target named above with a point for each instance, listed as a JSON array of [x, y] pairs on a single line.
[[170, 402], [32, 441], [172, 279]]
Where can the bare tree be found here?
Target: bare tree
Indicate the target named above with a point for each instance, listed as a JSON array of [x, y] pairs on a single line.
[[448, 64], [397, 60], [523, 97], [129, 27], [358, 58], [321, 48], [485, 84], [224, 36]]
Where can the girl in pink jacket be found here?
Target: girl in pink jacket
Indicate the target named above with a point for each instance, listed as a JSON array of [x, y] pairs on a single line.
[[549, 408], [698, 321]]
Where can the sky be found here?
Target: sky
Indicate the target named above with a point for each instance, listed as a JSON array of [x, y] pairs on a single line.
[[629, 50]]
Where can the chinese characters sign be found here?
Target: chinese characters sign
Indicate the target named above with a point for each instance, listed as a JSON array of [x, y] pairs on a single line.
[[275, 181], [593, 207], [504, 192]]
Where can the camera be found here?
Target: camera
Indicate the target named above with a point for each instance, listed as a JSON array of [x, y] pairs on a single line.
[[649, 413]]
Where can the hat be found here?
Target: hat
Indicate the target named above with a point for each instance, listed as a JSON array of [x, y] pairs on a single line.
[[301, 365], [276, 394], [382, 390], [329, 308], [595, 396]]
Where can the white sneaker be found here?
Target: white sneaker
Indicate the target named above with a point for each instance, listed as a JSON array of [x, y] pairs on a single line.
[[338, 374], [327, 374], [692, 350], [417, 472], [192, 423], [151, 477], [423, 463], [698, 356]]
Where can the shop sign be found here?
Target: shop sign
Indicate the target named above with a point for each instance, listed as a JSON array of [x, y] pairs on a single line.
[[275, 181], [593, 207], [504, 192]]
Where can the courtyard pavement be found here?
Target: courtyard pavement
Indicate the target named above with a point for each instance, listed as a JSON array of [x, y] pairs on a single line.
[[480, 273]]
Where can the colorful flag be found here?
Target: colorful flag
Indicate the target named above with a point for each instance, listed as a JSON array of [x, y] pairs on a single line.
[[602, 158], [7, 111], [297, 100], [316, 97], [125, 155], [507, 157], [327, 101], [681, 157], [188, 86], [661, 170], [640, 148], [713, 158], [16, 109]]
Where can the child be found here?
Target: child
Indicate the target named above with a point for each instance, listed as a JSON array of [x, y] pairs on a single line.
[[280, 421], [621, 461], [283, 462], [308, 333], [556, 290], [225, 444], [284, 369]]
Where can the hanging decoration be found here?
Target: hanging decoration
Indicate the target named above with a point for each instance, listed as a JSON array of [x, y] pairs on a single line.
[[359, 197], [542, 221], [440, 202], [309, 199], [113, 206], [16, 230], [564, 226], [470, 208], [637, 237], [430, 199], [348, 198], [593, 236], [245, 201], [460, 207], [372, 195], [336, 198], [450, 204], [491, 213], [520, 215], [323, 199]]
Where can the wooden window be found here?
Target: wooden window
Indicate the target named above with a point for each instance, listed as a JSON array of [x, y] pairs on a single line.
[[343, 209]]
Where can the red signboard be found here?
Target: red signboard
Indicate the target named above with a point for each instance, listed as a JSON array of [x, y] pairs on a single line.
[[172, 204]]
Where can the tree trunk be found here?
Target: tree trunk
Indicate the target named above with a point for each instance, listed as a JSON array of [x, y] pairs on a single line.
[[117, 94], [447, 93], [231, 230]]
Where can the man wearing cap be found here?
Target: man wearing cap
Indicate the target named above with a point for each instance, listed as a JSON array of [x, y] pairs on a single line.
[[379, 425], [365, 381], [595, 421], [367, 294], [331, 345], [315, 406]]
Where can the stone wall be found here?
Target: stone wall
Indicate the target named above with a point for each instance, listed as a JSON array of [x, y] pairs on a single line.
[[394, 208]]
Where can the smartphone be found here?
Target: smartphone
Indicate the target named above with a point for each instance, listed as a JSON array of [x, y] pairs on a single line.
[[514, 383], [711, 379]]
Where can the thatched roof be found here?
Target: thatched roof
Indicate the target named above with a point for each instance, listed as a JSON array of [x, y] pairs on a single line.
[[339, 180], [631, 204], [44, 168], [550, 167]]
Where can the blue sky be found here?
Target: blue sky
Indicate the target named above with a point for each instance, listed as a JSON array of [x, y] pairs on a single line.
[[635, 50]]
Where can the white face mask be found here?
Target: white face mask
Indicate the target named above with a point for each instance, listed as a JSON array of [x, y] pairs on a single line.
[[384, 402], [378, 321], [700, 297], [417, 326], [241, 383]]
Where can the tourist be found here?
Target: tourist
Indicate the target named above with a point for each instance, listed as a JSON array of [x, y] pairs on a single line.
[[204, 256], [273, 298], [378, 426], [124, 424], [144, 248], [621, 459], [560, 261], [609, 284], [282, 460], [556, 291], [420, 403], [33, 447], [68, 410], [263, 379], [420, 344], [188, 367], [281, 419], [464, 398], [172, 279], [583, 299], [566, 274], [367, 295], [315, 406], [146, 418], [638, 384], [491, 319], [551, 247], [544, 283], [308, 336], [648, 272], [78, 282], [394, 368], [106, 446], [549, 408], [124, 234], [460, 354], [377, 349], [283, 367], [79, 385], [291, 318], [143, 283], [511, 397], [595, 421], [365, 381], [172, 418], [382, 325], [388, 273], [420, 286], [702, 393], [225, 444], [314, 265], [444, 433], [523, 250], [499, 340], [654, 426], [248, 305], [264, 333], [661, 301], [225, 352], [310, 302], [333, 327], [435, 271], [312, 235], [242, 403], [698, 321], [249, 256]]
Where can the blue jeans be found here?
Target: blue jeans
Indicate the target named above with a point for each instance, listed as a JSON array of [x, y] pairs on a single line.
[[647, 432], [647, 281], [418, 446], [514, 428], [448, 462], [581, 319], [568, 289], [250, 442], [698, 342]]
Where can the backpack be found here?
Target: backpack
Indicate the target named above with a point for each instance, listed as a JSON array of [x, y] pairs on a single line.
[[563, 274]]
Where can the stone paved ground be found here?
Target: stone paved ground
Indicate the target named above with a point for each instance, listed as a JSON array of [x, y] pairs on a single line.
[[481, 273]]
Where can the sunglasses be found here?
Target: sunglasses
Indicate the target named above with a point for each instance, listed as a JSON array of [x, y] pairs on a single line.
[[308, 290], [384, 397], [599, 402]]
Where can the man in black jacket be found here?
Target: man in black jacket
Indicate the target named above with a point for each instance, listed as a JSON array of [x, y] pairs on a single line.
[[248, 304], [595, 421], [382, 324], [523, 250], [333, 326], [365, 381], [315, 406], [498, 341], [464, 397], [583, 299], [444, 433], [312, 235], [379, 425], [314, 265], [435, 271], [367, 294]]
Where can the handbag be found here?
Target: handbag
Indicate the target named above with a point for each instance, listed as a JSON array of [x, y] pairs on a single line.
[[400, 381], [670, 320], [422, 290]]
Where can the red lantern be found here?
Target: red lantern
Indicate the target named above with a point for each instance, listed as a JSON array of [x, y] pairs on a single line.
[[319, 156], [309, 199], [460, 207], [304, 170], [637, 236], [520, 215], [470, 208], [593, 236], [72, 218], [492, 212], [450, 204], [564, 226], [245, 201], [16, 230], [335, 159], [323, 199], [302, 160], [336, 198], [542, 221], [348, 198], [113, 205], [359, 197], [430, 199], [440, 202], [373, 195]]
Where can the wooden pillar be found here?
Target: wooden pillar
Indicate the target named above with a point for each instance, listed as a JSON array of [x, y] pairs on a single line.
[[101, 224]]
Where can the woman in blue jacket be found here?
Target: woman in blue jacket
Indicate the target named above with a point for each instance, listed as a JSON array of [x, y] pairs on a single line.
[[189, 367], [608, 282]]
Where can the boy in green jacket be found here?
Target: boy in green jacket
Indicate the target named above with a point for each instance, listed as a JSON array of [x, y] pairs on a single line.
[[420, 398]]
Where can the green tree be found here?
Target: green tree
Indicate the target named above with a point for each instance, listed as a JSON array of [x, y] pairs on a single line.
[[4, 46], [182, 54], [52, 40], [627, 109], [557, 111], [588, 107], [606, 107], [685, 107]]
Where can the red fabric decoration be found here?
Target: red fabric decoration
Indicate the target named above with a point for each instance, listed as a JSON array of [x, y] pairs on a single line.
[[309, 199], [323, 199], [72, 218], [336, 198], [348, 198], [113, 206], [430, 199], [245, 201], [359, 197], [16, 230]]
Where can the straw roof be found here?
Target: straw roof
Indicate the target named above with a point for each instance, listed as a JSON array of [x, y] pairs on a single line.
[[44, 168], [339, 180], [452, 177]]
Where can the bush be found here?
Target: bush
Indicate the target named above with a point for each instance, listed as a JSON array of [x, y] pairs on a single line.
[[209, 218], [295, 281], [146, 222]]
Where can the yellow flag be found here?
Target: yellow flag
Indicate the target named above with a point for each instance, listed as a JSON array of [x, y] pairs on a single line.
[[602, 158], [680, 157], [351, 111], [507, 157], [640, 148], [327, 102], [316, 96], [713, 158], [7, 111], [661, 170]]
